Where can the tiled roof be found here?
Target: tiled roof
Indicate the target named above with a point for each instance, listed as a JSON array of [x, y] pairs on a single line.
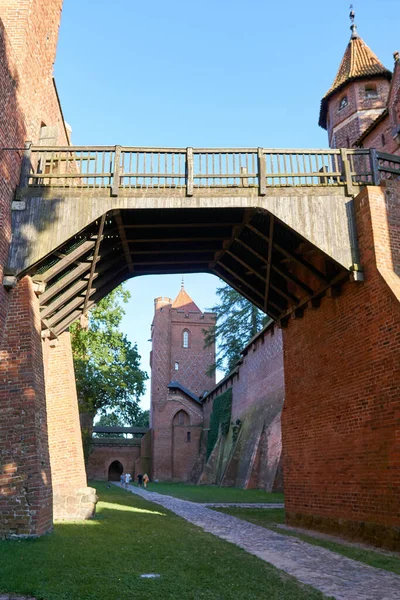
[[184, 302], [358, 62], [175, 385]]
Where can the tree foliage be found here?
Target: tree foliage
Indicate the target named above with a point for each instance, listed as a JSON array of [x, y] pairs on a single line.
[[238, 320], [107, 364]]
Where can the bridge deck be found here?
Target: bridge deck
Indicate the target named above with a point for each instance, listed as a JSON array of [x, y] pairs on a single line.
[[276, 225]]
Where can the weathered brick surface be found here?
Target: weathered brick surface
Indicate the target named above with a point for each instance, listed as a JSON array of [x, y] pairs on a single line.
[[28, 101], [25, 488], [173, 457], [102, 456], [64, 432], [342, 403], [257, 400]]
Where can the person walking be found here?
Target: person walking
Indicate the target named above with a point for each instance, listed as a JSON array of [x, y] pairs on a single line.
[[145, 480], [140, 480], [127, 479]]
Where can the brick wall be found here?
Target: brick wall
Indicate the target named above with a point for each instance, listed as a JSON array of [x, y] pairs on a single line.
[[342, 378], [252, 459], [102, 456], [172, 456], [348, 123], [28, 101], [25, 488]]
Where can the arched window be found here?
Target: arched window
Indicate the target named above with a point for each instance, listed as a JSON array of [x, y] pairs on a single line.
[[343, 102], [185, 339], [371, 90]]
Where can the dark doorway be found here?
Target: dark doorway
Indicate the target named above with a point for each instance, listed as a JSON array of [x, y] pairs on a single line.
[[115, 471]]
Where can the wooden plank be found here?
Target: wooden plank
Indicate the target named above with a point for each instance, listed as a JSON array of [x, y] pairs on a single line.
[[288, 276], [244, 264], [296, 258], [95, 255], [116, 173], [228, 270], [124, 241], [249, 297], [176, 239], [269, 259], [65, 262], [189, 172], [181, 225], [262, 177]]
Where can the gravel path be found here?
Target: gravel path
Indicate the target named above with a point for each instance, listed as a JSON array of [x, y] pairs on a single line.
[[334, 575]]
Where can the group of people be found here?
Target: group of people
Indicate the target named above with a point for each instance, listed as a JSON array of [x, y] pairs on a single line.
[[143, 480]]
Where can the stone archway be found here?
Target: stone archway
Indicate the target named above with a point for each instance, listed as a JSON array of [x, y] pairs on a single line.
[[115, 471]]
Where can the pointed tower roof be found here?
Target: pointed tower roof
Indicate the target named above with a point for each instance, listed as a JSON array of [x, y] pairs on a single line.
[[184, 301], [358, 62]]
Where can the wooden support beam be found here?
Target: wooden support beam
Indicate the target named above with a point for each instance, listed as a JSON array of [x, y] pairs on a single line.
[[167, 240], [182, 225], [236, 287], [243, 281], [94, 260], [269, 259], [78, 301], [244, 264], [124, 241], [290, 277], [65, 262], [295, 257], [74, 290]]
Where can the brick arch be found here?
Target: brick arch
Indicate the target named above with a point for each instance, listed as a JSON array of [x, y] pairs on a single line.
[[115, 474], [176, 417]]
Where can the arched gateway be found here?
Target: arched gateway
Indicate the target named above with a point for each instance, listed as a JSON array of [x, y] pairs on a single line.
[[115, 471]]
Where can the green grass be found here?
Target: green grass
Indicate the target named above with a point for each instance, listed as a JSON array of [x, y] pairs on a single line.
[[102, 559], [271, 517], [213, 493]]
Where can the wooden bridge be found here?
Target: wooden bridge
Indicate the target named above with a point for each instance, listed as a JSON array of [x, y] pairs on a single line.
[[277, 225]]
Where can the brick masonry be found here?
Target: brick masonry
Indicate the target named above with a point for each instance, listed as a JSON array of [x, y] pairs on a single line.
[[176, 440], [25, 489], [72, 498], [28, 104], [254, 460], [342, 379]]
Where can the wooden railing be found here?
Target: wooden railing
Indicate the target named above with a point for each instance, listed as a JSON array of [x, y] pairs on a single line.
[[117, 168]]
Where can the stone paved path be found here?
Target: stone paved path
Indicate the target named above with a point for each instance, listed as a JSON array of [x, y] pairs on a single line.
[[334, 575]]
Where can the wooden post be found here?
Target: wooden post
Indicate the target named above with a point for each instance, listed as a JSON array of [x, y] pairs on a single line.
[[116, 173], [189, 171], [373, 157], [262, 175], [25, 166], [348, 181], [244, 181]]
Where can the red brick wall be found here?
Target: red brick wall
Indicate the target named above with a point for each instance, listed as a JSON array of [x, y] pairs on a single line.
[[342, 405], [25, 488], [102, 456], [172, 458], [65, 442], [257, 400], [347, 124], [28, 39]]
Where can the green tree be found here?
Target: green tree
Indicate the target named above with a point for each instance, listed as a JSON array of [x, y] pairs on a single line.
[[238, 320], [107, 364]]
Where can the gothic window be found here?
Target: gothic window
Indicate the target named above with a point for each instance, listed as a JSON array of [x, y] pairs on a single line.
[[185, 339], [383, 140], [343, 103], [188, 436], [181, 418]]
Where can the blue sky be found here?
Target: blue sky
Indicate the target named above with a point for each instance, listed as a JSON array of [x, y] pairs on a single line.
[[214, 73]]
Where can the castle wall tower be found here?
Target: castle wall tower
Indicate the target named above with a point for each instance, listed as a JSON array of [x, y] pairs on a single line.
[[358, 95], [179, 364]]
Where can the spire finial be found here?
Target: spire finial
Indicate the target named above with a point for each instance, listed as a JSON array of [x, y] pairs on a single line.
[[353, 26], [182, 283]]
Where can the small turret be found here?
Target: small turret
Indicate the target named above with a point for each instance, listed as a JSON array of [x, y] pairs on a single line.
[[358, 94]]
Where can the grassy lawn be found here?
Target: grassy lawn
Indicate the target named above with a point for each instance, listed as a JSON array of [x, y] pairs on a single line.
[[103, 559], [213, 493], [271, 517]]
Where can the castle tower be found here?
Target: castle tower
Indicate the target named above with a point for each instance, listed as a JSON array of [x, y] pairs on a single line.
[[179, 364], [358, 95]]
